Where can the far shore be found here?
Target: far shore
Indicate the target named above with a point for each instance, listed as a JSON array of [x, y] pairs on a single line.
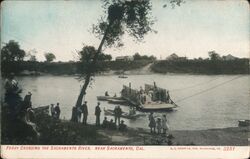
[[140, 67], [112, 73]]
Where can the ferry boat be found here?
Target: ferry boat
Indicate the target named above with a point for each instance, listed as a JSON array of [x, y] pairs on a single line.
[[151, 98]]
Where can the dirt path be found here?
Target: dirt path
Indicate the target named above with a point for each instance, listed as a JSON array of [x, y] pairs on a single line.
[[140, 71]]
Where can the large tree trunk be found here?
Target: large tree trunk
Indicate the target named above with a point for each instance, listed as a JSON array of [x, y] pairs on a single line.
[[88, 77]]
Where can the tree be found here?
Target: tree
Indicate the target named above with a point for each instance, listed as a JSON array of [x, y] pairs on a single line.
[[137, 56], [49, 57], [32, 58], [104, 57], [32, 55], [11, 52], [120, 16], [11, 56], [213, 55]]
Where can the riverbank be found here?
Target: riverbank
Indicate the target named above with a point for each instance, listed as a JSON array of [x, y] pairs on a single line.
[[66, 132], [237, 136], [63, 132], [138, 67]]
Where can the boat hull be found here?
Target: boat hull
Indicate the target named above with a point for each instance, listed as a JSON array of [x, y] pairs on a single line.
[[105, 98], [157, 107], [109, 112], [243, 123], [116, 101]]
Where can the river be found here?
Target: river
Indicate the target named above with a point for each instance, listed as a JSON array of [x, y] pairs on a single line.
[[205, 101]]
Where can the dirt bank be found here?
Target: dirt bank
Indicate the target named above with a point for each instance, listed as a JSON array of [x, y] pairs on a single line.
[[236, 136]]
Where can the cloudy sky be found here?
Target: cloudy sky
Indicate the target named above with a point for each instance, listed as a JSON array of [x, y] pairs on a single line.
[[191, 30]]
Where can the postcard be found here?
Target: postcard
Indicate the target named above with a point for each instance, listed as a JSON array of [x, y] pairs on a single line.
[[125, 79]]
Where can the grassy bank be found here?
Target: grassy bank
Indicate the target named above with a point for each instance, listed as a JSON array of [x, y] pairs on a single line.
[[58, 132], [67, 68], [239, 66]]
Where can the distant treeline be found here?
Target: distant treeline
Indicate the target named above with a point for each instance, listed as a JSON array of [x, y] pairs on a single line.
[[237, 66], [67, 68]]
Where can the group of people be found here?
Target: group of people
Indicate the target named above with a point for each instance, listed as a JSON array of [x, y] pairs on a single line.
[[160, 124], [112, 125], [107, 94], [55, 111], [18, 107], [82, 111]]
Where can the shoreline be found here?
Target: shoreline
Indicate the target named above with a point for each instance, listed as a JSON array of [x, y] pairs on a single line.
[[231, 136], [113, 73]]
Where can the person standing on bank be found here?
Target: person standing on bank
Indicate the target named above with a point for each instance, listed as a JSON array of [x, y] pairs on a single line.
[[118, 113], [57, 111], [85, 113], [52, 110], [152, 123], [165, 126], [158, 125], [97, 114]]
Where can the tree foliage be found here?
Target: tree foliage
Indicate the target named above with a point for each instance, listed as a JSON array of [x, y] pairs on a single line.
[[11, 52], [213, 55], [31, 55], [49, 57], [137, 56], [86, 57], [133, 17]]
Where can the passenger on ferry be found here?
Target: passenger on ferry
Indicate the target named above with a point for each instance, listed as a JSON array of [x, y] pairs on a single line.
[[106, 93]]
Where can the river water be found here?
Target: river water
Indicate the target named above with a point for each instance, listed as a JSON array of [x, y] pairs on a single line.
[[224, 99]]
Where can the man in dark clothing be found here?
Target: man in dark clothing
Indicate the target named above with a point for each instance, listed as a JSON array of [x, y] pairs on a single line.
[[122, 126], [12, 96], [97, 114], [118, 113], [25, 105], [52, 110], [85, 113], [112, 125], [105, 123], [57, 111], [27, 101]]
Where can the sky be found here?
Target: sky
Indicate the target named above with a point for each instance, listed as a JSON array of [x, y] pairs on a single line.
[[191, 30]]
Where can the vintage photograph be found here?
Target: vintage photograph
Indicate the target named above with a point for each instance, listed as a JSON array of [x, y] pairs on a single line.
[[125, 72]]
